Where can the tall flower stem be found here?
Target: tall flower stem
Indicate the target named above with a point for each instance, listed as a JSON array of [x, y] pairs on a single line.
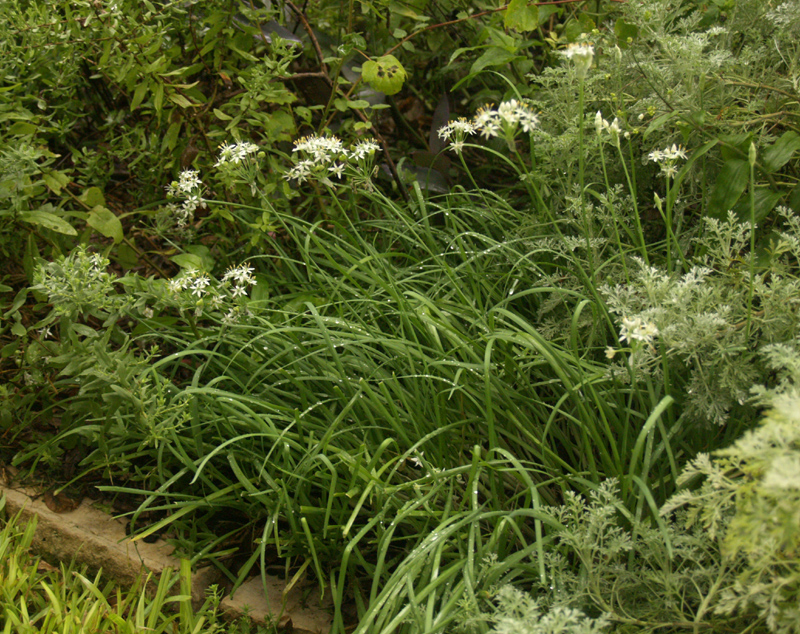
[[587, 229], [636, 215]]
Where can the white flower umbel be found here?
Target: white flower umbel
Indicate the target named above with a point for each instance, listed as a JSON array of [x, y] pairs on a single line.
[[189, 187], [323, 157], [507, 119], [637, 330], [235, 153], [668, 159], [581, 55]]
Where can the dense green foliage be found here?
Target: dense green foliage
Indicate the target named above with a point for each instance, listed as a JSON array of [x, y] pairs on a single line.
[[457, 360], [37, 598]]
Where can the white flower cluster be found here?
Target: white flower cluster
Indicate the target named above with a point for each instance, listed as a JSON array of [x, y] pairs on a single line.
[[637, 330], [581, 55], [509, 117], [189, 187], [667, 159], [197, 289], [241, 276], [326, 156], [235, 153]]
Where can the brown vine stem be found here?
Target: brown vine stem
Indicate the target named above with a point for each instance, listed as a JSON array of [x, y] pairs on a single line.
[[478, 15]]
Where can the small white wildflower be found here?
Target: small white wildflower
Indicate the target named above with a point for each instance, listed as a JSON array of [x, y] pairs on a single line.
[[199, 284], [337, 170], [176, 285], [417, 460], [610, 352]]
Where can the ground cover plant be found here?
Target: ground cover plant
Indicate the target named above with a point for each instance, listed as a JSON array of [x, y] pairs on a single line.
[[41, 598], [519, 358]]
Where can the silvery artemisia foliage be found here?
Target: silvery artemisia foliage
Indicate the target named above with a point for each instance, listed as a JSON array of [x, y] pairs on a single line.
[[702, 314]]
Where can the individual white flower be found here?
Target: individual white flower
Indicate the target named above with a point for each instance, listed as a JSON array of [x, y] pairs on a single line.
[[337, 170], [176, 285], [457, 146], [199, 284], [610, 352]]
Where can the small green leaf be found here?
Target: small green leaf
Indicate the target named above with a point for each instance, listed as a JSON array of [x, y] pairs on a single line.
[[55, 180], [386, 75], [221, 115], [103, 220], [171, 137], [778, 154], [19, 330], [48, 220], [93, 196], [521, 17], [180, 100], [139, 94]]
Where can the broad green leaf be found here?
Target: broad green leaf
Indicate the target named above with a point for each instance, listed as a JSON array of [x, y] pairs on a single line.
[[103, 220], [48, 220], [5, 289], [731, 182], [625, 32], [188, 261], [521, 17], [778, 154], [492, 56], [221, 115], [22, 128], [386, 75], [171, 137], [204, 253], [764, 201]]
